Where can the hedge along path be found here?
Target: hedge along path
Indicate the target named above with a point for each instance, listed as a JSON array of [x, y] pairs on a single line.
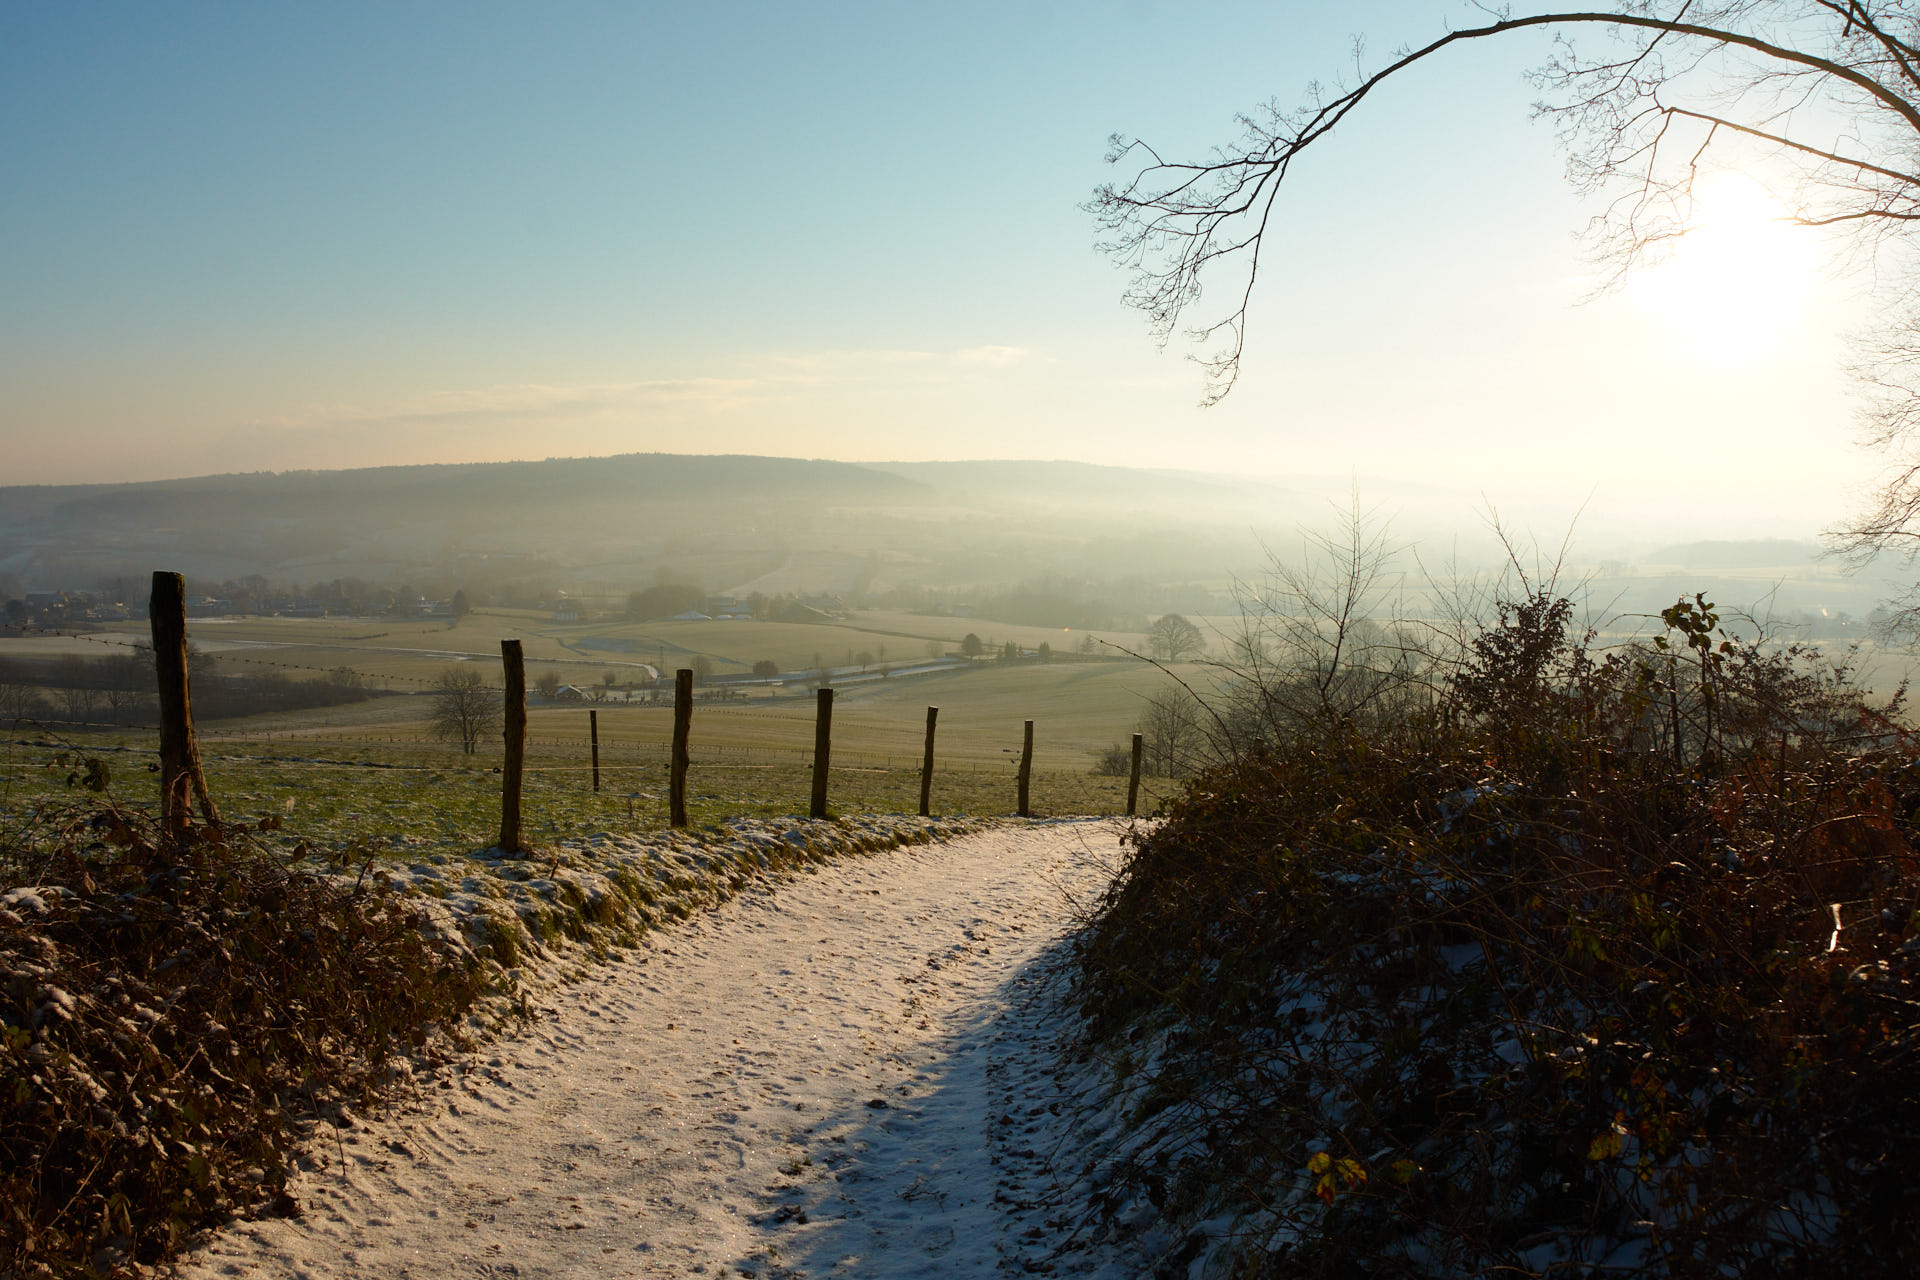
[[849, 1075]]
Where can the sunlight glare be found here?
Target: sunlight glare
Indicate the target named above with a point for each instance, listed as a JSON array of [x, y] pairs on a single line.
[[1738, 281]]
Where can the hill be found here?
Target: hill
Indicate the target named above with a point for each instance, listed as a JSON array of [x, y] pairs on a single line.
[[393, 523]]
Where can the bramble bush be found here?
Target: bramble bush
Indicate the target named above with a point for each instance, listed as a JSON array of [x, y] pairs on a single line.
[[176, 1013], [1556, 960]]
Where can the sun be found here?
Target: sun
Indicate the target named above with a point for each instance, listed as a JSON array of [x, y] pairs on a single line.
[[1738, 280]]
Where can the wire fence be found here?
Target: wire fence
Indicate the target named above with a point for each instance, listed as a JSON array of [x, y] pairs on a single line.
[[354, 783]]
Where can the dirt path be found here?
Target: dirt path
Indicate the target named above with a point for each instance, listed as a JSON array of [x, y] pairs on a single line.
[[847, 1075]]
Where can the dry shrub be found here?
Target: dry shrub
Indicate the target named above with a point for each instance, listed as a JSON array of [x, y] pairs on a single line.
[[176, 1014], [1543, 977]]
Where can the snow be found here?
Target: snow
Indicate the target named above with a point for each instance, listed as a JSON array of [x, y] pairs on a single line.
[[24, 899], [855, 1072]]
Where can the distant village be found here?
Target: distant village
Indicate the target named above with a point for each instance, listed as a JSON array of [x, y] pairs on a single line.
[[60, 610], [53, 610]]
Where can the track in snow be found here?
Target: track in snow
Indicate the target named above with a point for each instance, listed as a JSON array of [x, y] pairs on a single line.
[[849, 1073]]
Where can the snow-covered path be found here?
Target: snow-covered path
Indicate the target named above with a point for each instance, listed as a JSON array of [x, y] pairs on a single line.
[[849, 1074]]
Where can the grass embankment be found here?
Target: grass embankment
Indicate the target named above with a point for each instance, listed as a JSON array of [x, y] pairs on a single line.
[[1578, 966]]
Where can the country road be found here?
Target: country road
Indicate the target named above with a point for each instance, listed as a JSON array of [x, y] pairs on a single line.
[[848, 1074]]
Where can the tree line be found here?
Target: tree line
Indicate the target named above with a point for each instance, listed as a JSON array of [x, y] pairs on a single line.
[[118, 689]]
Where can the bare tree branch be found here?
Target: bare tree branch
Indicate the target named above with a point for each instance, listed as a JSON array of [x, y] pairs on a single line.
[[1767, 73]]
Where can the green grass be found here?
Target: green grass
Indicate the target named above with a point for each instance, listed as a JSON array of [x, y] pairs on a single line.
[[1077, 713], [353, 789], [372, 771]]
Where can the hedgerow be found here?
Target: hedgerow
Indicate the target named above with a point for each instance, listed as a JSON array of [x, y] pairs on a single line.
[[1574, 963], [176, 1013]]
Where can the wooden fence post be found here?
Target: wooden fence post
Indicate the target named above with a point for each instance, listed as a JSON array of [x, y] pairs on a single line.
[[682, 727], [926, 765], [1133, 778], [822, 749], [516, 735], [593, 735], [179, 750], [1026, 771]]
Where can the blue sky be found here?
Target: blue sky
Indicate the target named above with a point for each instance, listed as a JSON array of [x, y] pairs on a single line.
[[243, 237]]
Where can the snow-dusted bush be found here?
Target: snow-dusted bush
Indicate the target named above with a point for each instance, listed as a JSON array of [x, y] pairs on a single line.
[[1583, 963]]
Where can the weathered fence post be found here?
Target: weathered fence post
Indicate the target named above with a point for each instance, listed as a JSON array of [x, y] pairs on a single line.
[[1133, 777], [682, 727], [179, 750], [926, 765], [822, 748], [593, 736], [1026, 770], [516, 735]]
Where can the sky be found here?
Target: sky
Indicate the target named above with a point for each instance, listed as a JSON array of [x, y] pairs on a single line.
[[270, 237]]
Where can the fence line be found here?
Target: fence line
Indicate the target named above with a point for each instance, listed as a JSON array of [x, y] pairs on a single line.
[[181, 768]]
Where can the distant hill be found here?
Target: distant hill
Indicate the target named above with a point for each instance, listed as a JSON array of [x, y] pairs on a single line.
[[1068, 483], [599, 528], [501, 487], [1756, 553], [389, 522]]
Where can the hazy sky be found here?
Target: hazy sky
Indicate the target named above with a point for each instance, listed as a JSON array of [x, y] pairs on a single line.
[[243, 237]]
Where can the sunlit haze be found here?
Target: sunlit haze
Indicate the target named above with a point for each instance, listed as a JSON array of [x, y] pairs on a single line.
[[281, 237], [1738, 281]]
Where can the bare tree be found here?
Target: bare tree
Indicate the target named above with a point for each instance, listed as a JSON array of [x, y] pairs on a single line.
[[1649, 97], [1318, 642], [127, 684], [78, 701], [1674, 90], [464, 708], [75, 678], [19, 700], [1172, 638], [1174, 732]]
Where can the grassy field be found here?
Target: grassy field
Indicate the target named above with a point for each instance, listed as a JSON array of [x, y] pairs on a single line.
[[413, 652], [1079, 707], [372, 773], [344, 789], [1078, 710]]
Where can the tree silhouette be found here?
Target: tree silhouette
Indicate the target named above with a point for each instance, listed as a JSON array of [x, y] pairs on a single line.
[[464, 708], [1172, 638], [1648, 97], [1677, 89]]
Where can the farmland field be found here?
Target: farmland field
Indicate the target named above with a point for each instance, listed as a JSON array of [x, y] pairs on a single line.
[[346, 791], [412, 652], [372, 772]]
